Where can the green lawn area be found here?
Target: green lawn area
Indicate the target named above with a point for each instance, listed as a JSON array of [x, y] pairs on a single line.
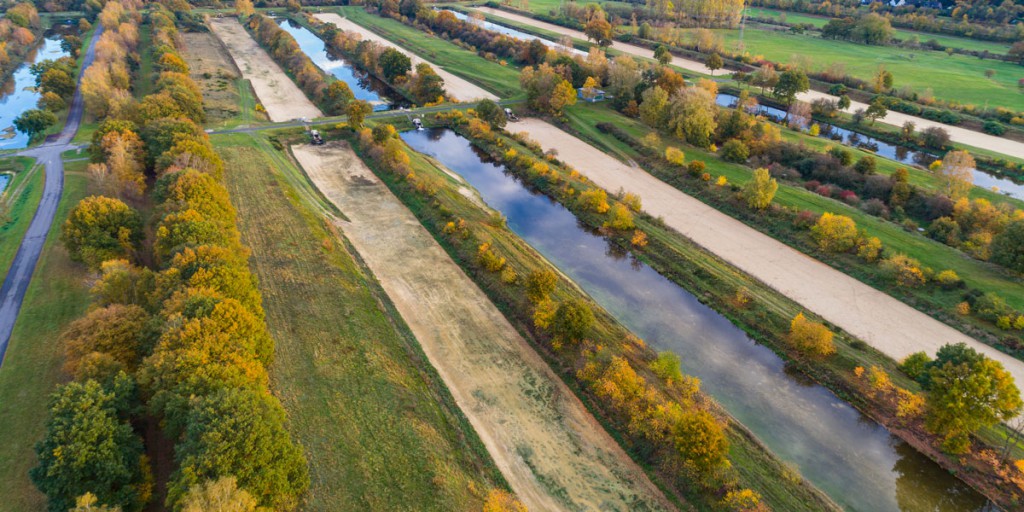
[[904, 34], [984, 276], [380, 429], [501, 80], [951, 77], [32, 365], [17, 206]]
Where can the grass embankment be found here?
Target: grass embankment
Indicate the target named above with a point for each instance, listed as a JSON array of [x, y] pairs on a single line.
[[32, 366], [957, 78], [900, 33], [757, 468], [984, 276], [144, 78], [17, 205], [379, 428], [492, 76]]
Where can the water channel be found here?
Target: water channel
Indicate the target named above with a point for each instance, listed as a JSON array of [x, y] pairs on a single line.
[[515, 34], [886, 150], [364, 87], [18, 94], [5, 179], [851, 458]]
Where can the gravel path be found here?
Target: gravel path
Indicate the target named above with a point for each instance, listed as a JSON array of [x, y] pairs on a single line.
[[957, 134], [553, 453], [882, 321], [278, 94], [458, 88]]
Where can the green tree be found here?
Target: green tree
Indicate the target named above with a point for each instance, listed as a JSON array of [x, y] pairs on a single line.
[[410, 8], [357, 111], [427, 86], [791, 83], [876, 109], [100, 228], [492, 113], [714, 63], [734, 150], [691, 115], [872, 28], [89, 448], [964, 397], [572, 320], [760, 191], [240, 433], [662, 54], [34, 121], [57, 81], [844, 102], [1008, 247], [394, 64]]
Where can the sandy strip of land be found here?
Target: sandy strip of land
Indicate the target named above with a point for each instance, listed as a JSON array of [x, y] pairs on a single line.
[[885, 323], [457, 88], [957, 134], [547, 445], [282, 99]]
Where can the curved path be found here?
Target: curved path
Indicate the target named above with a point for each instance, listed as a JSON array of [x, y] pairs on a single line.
[[885, 323], [49, 154], [956, 133]]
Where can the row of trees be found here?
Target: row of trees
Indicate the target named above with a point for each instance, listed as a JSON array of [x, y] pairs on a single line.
[[182, 342], [19, 29]]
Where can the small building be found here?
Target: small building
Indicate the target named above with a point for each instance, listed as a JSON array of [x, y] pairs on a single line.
[[590, 94]]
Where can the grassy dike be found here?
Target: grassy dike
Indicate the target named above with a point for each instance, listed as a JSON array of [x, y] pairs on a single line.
[[379, 427], [766, 317], [755, 466], [32, 366]]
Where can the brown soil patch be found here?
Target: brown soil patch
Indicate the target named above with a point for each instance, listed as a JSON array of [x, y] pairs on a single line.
[[211, 67], [459, 89], [282, 99], [885, 323], [553, 453]]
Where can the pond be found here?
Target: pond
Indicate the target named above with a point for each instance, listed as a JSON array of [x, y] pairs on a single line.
[[18, 93], [851, 458], [886, 150], [5, 179], [364, 87]]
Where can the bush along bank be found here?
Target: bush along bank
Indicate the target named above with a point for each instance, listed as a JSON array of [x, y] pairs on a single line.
[[176, 337], [887, 392], [658, 419]]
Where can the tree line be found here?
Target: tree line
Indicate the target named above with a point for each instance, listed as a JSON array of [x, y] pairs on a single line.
[[19, 29], [176, 335]]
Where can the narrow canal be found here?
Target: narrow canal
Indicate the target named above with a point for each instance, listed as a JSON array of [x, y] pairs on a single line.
[[854, 460], [364, 87], [18, 93]]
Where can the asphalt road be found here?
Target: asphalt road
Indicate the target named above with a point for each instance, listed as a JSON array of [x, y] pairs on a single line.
[[49, 155]]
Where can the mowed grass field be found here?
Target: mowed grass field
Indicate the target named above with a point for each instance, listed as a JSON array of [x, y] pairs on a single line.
[[957, 78], [17, 205], [501, 80], [32, 367], [984, 276], [903, 34], [379, 428]]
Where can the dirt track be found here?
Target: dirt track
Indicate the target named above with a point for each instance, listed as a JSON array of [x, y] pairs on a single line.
[[961, 135], [549, 448], [873, 316], [459, 89], [278, 94]]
